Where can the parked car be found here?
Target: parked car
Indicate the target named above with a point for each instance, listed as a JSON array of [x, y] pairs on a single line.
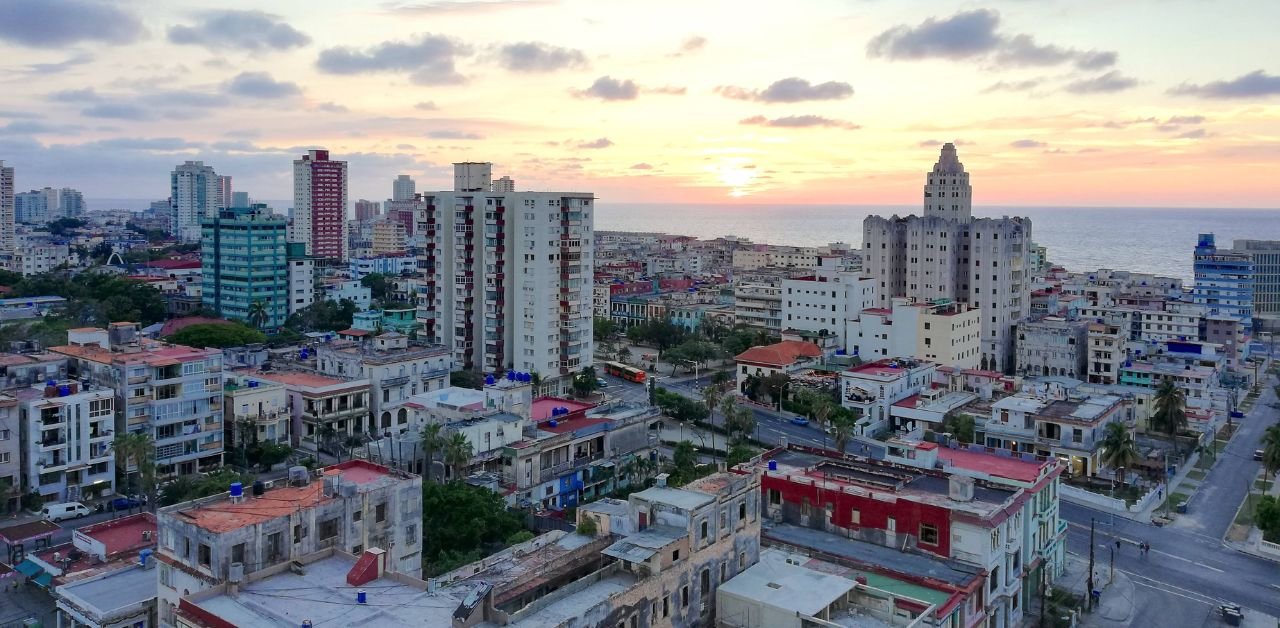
[[125, 503], [799, 420], [1257, 454], [601, 382], [63, 511]]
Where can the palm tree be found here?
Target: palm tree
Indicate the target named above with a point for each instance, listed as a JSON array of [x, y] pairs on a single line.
[[327, 434], [1119, 450], [1270, 454], [258, 314], [139, 448], [432, 442], [1170, 415], [843, 426], [457, 453]]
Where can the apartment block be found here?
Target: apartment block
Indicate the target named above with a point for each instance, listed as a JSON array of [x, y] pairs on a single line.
[[1053, 346], [302, 277], [943, 331], [873, 388], [324, 410], [7, 225], [1107, 352], [350, 506], [172, 392], [245, 265], [1265, 255], [320, 206], [193, 196], [948, 254], [506, 277], [396, 369], [826, 301], [255, 410], [1224, 281], [1048, 422], [758, 305], [10, 453], [67, 429]]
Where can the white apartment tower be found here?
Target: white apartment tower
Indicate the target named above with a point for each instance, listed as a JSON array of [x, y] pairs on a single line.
[[403, 188], [6, 211], [193, 195], [947, 254], [507, 277], [223, 200], [504, 184]]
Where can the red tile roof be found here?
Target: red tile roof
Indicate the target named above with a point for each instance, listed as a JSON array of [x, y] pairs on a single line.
[[999, 466], [783, 353]]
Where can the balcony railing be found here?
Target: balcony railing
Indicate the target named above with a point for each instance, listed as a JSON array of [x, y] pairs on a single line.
[[399, 380]]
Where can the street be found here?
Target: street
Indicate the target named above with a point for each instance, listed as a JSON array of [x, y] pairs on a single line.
[[1188, 572]]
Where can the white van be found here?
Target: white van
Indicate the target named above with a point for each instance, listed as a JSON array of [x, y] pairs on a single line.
[[65, 510]]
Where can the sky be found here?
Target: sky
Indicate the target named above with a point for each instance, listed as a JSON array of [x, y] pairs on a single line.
[[1147, 103]]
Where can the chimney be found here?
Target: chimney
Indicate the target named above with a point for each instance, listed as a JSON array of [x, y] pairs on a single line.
[[960, 488]]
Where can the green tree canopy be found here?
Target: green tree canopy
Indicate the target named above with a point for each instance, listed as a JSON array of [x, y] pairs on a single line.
[[63, 226], [377, 284], [323, 315], [461, 523], [217, 335]]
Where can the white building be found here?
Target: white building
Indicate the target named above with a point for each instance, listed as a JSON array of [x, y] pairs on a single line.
[[948, 254], [826, 301], [67, 432], [504, 185], [1053, 346], [36, 207], [946, 332], [758, 305], [873, 388], [403, 188], [193, 195], [37, 254], [396, 370], [351, 290], [6, 211], [224, 197], [507, 277], [302, 287]]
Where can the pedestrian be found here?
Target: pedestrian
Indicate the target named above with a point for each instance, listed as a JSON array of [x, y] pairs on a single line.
[[1117, 545]]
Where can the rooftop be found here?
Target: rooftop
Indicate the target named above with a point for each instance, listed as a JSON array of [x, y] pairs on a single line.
[[782, 353], [118, 590], [311, 380], [680, 498], [26, 531], [542, 406], [792, 588], [875, 558], [887, 369], [641, 546], [991, 464], [148, 352]]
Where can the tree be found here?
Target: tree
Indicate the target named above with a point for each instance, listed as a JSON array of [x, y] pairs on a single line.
[[1267, 517], [1119, 450], [258, 314], [460, 523], [1270, 454], [773, 384], [467, 379], [64, 226], [684, 463], [711, 395], [585, 382], [739, 453], [217, 335], [377, 284], [186, 488], [623, 355], [960, 426], [1170, 416], [323, 315], [739, 422], [136, 448], [432, 442], [266, 455], [328, 434], [844, 424], [457, 453], [602, 328], [587, 525]]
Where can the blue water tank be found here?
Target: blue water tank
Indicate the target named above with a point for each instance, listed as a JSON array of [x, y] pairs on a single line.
[[237, 489], [554, 423], [64, 390], [144, 556], [511, 376], [52, 382], [773, 465], [488, 380], [253, 383], [362, 597]]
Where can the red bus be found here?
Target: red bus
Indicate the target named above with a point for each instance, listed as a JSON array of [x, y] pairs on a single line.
[[629, 373]]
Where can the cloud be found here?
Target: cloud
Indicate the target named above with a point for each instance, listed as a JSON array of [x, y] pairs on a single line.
[[642, 166], [118, 111], [1013, 86], [789, 90], [534, 57], [188, 98], [609, 88], [332, 107], [1252, 85], [690, 45], [1193, 134], [429, 60], [61, 23], [260, 85], [799, 122], [461, 6], [973, 34], [938, 143], [168, 144], [453, 135], [1112, 81], [1185, 120], [406, 147], [961, 36], [61, 66], [225, 30], [426, 105], [670, 90], [1028, 144], [34, 127], [75, 95], [603, 142]]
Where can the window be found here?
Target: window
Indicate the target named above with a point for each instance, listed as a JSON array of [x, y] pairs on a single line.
[[666, 606], [166, 576], [675, 555], [742, 561], [891, 524], [684, 596], [237, 553], [411, 534], [775, 497], [299, 533], [205, 555], [328, 529], [724, 571], [357, 515], [704, 530], [742, 511], [928, 534], [704, 585], [379, 513], [855, 516]]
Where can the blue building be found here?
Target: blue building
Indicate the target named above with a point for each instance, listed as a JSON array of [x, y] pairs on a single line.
[[1224, 281], [244, 262]]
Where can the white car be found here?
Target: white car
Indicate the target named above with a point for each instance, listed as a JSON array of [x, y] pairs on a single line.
[[65, 510]]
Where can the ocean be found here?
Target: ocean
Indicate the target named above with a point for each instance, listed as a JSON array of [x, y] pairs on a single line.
[[1153, 240]]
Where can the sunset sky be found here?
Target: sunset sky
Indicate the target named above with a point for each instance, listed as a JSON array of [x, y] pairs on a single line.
[[1052, 102]]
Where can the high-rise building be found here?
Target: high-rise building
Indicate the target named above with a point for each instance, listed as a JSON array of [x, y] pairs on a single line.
[[193, 195], [1265, 255], [320, 205], [403, 188], [507, 277], [67, 433], [389, 237], [367, 210], [239, 199], [504, 185], [302, 278], [948, 254], [224, 192], [1224, 281], [6, 210], [244, 266], [36, 207], [70, 203]]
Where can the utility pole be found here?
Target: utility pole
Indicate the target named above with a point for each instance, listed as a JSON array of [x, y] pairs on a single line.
[[1112, 578], [1092, 544]]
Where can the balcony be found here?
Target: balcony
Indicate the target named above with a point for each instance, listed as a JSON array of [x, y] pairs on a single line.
[[399, 380]]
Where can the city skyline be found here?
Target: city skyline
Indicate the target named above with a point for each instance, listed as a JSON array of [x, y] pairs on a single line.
[[835, 104]]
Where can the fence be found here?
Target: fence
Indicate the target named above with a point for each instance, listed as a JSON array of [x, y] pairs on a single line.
[[1270, 549], [1089, 498]]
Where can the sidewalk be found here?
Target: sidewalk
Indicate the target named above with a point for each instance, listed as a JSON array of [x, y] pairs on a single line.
[[1115, 607], [1252, 544]]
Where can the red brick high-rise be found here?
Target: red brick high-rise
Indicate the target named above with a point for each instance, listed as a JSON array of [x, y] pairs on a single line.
[[320, 205]]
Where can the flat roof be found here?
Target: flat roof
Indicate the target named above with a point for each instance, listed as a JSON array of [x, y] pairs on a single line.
[[310, 380], [571, 425], [873, 556], [540, 410], [887, 368], [24, 531], [123, 534], [117, 590], [678, 497], [640, 546], [782, 585], [991, 464]]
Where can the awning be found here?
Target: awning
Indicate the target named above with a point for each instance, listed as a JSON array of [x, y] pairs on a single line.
[[44, 579], [28, 568]]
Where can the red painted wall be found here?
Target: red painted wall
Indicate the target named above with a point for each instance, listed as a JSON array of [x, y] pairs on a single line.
[[873, 513]]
